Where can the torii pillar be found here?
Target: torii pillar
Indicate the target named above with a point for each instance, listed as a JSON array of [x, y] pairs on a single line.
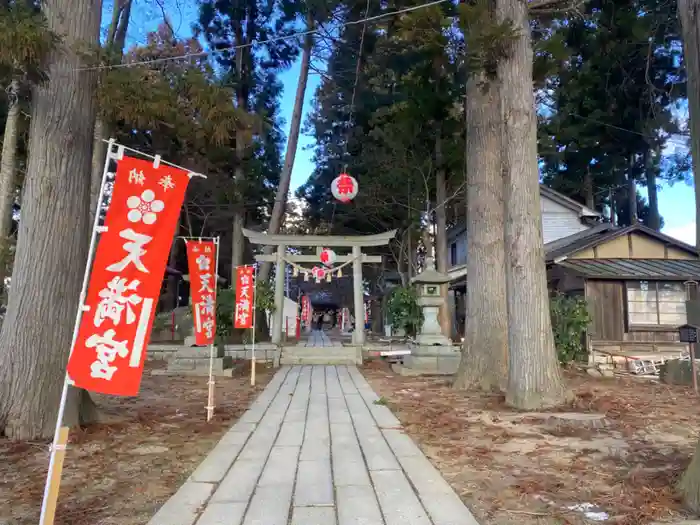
[[320, 241]]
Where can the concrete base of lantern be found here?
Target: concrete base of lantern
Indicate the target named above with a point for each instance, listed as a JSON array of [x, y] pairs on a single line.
[[430, 360], [195, 361]]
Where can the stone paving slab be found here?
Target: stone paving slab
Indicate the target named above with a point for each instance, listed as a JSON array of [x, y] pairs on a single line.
[[315, 448]]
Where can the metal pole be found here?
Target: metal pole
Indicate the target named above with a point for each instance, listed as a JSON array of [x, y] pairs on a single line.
[[211, 383], [56, 445], [252, 351]]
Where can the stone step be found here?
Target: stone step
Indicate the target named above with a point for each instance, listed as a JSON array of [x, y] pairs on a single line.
[[319, 350], [195, 372], [318, 360], [219, 363]]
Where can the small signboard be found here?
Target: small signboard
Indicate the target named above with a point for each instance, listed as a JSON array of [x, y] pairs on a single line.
[[688, 333]]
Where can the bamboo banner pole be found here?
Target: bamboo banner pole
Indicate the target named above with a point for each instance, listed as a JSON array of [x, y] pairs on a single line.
[[60, 438], [212, 383], [255, 296]]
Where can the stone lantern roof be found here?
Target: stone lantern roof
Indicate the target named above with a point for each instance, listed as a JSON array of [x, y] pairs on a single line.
[[430, 275]]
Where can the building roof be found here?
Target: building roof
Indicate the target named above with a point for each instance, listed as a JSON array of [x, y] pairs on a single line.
[[602, 233], [567, 202], [549, 193], [635, 269]]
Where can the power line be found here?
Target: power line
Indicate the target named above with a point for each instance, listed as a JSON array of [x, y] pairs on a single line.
[[669, 139], [281, 38]]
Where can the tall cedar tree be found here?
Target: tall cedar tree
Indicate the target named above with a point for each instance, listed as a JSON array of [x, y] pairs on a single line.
[[25, 42], [53, 233], [226, 24], [612, 78]]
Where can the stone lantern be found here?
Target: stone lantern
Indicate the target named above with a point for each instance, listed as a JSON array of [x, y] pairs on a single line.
[[428, 283], [432, 353]]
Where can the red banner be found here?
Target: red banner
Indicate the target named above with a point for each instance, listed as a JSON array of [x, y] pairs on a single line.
[[201, 261], [126, 277], [245, 297], [305, 310]]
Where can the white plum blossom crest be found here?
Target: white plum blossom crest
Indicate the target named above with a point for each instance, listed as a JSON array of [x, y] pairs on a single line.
[[144, 208]]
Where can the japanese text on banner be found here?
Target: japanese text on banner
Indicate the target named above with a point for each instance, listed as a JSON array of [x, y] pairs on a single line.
[[305, 310], [201, 261], [126, 277], [245, 297]]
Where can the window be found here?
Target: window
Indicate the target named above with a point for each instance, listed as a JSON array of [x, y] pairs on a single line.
[[656, 303], [453, 253]]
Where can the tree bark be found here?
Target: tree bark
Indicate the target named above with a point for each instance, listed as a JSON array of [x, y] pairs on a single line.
[[689, 485], [484, 362], [116, 39], [8, 165], [99, 153], [53, 233], [688, 11], [280, 206], [654, 220], [632, 193], [534, 378], [441, 253], [588, 188]]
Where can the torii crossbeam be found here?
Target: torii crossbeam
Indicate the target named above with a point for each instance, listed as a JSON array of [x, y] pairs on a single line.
[[356, 242]]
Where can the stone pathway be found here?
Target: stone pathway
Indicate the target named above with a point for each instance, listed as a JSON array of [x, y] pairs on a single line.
[[318, 338], [314, 449]]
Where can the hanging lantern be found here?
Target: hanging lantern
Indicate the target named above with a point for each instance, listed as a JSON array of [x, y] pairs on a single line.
[[327, 257], [344, 187], [328, 277], [295, 271], [318, 273], [340, 273]]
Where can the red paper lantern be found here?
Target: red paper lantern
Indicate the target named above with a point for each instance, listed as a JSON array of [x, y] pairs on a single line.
[[327, 257], [344, 187], [318, 272]]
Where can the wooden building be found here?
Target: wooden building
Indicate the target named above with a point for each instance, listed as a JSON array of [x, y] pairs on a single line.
[[634, 281]]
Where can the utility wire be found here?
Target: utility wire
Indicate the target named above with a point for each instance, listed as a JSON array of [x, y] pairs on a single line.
[[291, 36], [351, 113]]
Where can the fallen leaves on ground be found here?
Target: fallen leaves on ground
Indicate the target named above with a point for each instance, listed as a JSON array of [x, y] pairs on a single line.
[[121, 471], [521, 468]]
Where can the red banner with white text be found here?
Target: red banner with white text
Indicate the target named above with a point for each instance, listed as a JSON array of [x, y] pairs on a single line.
[[201, 261], [245, 297], [305, 309], [126, 277]]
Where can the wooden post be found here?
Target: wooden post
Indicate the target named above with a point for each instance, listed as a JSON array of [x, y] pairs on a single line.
[[55, 476]]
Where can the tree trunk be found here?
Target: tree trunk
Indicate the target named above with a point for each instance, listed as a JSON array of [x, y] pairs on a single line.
[[8, 165], [99, 153], [116, 39], [53, 233], [441, 254], [632, 193], [171, 298], [484, 362], [654, 220], [588, 188], [689, 11], [534, 378], [689, 485], [280, 205]]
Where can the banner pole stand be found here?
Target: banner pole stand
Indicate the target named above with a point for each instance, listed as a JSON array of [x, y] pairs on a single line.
[[60, 438], [255, 315], [212, 382]]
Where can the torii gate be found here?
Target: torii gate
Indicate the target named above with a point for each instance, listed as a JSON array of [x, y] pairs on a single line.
[[320, 241]]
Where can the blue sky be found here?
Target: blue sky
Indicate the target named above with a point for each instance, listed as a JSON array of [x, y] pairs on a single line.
[[676, 203]]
